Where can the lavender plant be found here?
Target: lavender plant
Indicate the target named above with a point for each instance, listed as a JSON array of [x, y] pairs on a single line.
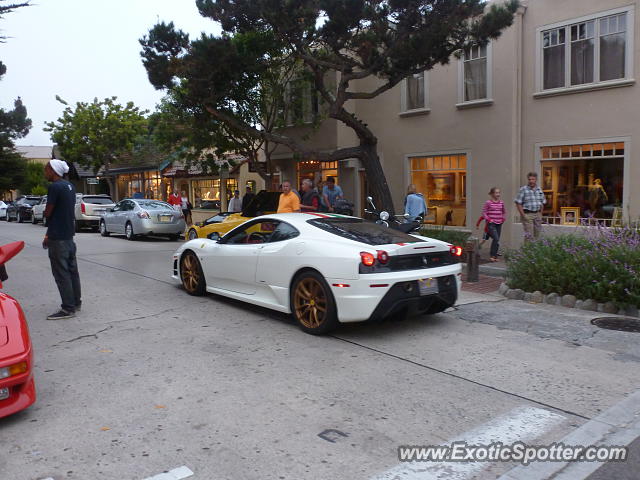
[[599, 263]]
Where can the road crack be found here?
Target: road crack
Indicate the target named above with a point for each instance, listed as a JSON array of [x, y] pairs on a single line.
[[94, 335]]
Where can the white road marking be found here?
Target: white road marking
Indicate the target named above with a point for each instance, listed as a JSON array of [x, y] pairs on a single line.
[[175, 474], [619, 425], [520, 424]]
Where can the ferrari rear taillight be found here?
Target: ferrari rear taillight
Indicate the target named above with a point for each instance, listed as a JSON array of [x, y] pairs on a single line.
[[83, 208], [367, 259], [143, 214], [455, 250], [383, 257]]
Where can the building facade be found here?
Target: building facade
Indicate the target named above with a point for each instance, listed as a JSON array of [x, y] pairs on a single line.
[[555, 94]]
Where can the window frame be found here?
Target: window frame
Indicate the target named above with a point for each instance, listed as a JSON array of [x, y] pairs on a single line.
[[404, 97], [597, 84], [488, 100]]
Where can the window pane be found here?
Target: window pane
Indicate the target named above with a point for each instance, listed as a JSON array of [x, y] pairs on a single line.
[[582, 62], [553, 67], [415, 92], [612, 56], [475, 79]]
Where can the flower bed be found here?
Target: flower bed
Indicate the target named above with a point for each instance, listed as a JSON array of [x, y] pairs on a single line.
[[603, 265]]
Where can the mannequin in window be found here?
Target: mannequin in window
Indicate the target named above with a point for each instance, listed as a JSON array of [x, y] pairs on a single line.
[[597, 194]]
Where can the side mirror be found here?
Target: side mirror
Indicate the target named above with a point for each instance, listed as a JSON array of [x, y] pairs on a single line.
[[215, 236]]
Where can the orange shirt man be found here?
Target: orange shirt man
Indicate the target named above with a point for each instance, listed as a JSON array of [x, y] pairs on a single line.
[[289, 201]]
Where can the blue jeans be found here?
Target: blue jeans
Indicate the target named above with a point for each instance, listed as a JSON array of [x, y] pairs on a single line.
[[62, 255], [494, 230]]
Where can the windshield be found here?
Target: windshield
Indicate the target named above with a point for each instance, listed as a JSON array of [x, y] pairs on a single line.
[[154, 205], [97, 200], [32, 201], [362, 231], [263, 202]]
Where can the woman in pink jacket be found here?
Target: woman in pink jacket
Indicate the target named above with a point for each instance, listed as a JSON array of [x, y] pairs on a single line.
[[495, 215]]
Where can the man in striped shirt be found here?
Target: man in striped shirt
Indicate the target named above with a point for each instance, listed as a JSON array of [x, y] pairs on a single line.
[[529, 202]]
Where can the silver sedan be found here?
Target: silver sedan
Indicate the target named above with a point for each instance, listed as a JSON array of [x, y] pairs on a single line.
[[134, 217]]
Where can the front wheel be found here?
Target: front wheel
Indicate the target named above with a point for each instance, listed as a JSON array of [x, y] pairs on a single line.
[[312, 304], [128, 231], [103, 229], [191, 274], [192, 235]]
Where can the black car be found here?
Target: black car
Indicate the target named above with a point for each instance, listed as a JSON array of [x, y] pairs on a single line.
[[21, 209]]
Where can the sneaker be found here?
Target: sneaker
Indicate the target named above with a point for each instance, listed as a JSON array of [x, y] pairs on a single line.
[[61, 315]]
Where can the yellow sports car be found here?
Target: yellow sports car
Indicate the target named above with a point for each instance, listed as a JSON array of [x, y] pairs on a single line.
[[263, 203]]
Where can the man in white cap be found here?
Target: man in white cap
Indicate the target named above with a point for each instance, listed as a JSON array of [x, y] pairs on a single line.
[[61, 199]]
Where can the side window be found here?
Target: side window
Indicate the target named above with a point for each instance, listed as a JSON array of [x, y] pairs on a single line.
[[251, 233], [128, 206], [284, 231], [117, 207]]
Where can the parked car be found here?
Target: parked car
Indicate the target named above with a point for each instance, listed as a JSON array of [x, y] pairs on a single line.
[[3, 210], [38, 212], [264, 202], [134, 217], [17, 388], [21, 209], [219, 217], [323, 269], [89, 209]]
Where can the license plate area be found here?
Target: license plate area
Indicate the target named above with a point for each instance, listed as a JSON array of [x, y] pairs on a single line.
[[428, 286], [4, 393], [165, 218]]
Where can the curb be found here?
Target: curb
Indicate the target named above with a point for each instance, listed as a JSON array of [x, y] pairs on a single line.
[[568, 301]]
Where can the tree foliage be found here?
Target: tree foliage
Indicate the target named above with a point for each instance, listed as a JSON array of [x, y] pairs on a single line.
[[96, 134], [337, 43], [34, 182], [14, 124]]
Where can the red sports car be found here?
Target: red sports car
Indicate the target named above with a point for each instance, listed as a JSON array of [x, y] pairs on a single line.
[[17, 389]]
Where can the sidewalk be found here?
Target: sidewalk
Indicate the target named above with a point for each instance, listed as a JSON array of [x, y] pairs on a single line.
[[491, 276]]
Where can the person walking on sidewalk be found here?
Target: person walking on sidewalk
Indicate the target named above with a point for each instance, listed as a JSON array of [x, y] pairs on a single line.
[[495, 215], [529, 203], [60, 214]]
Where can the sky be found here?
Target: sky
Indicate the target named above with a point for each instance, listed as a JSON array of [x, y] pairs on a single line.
[[83, 49]]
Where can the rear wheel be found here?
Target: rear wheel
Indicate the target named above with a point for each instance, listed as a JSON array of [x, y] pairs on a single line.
[[128, 231], [103, 229], [192, 234], [77, 226], [192, 275], [34, 220], [312, 304]]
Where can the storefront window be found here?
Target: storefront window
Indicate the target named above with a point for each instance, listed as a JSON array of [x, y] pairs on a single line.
[[206, 193], [588, 177], [150, 184], [317, 171], [442, 180], [231, 186]]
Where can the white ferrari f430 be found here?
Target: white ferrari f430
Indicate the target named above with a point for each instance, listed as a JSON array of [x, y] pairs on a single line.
[[323, 269]]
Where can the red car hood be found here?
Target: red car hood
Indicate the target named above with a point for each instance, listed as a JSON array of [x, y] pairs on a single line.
[[14, 333]]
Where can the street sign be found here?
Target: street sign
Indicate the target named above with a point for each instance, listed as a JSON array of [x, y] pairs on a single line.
[[93, 181]]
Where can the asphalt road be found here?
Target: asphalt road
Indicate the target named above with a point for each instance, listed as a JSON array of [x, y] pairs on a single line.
[[147, 379]]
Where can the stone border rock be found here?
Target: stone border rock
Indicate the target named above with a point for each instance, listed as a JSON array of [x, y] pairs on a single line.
[[568, 301]]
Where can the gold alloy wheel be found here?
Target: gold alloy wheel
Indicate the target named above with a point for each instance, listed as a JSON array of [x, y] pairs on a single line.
[[310, 302], [190, 273]]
